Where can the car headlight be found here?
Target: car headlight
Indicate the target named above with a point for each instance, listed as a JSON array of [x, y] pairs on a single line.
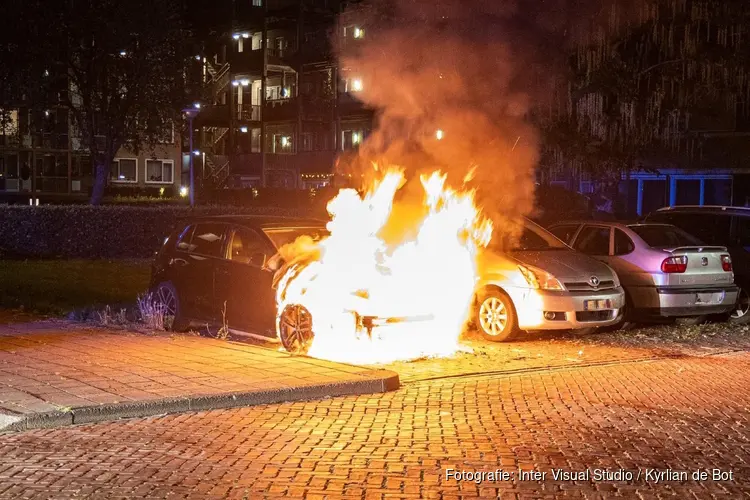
[[537, 278]]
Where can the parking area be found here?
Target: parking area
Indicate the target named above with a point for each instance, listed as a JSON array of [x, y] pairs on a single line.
[[545, 350], [682, 415]]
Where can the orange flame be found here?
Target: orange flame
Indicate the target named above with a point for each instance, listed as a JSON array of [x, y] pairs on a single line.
[[415, 293]]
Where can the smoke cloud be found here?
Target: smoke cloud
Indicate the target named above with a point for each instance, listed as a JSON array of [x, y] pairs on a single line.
[[475, 70]]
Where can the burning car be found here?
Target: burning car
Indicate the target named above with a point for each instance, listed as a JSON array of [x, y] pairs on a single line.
[[360, 293]]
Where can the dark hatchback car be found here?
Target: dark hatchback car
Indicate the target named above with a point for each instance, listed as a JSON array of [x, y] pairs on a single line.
[[220, 271], [717, 225]]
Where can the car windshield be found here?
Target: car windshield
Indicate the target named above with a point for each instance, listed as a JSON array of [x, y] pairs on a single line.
[[283, 236], [532, 238], [664, 236]]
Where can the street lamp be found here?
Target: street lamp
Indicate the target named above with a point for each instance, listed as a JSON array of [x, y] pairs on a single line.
[[191, 114]]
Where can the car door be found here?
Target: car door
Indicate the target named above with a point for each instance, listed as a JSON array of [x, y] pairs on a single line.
[[624, 260], [594, 240], [244, 283], [195, 262]]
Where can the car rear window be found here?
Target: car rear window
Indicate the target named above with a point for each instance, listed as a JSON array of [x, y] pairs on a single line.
[[709, 228], [663, 236]]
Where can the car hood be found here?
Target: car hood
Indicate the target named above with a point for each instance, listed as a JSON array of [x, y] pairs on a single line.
[[562, 264]]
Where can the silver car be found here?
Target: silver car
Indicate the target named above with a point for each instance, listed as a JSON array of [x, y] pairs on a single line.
[[540, 283], [665, 271]]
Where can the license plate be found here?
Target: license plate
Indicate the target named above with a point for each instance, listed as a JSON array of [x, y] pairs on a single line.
[[597, 305], [709, 298]]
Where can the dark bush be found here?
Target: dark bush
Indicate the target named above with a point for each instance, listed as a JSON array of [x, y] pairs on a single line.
[[108, 231]]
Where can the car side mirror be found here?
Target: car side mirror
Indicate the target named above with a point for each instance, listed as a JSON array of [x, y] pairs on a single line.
[[274, 263]]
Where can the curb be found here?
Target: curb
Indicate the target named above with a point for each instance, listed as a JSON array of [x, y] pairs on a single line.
[[377, 381]]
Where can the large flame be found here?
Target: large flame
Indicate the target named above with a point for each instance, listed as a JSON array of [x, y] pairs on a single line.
[[419, 288]]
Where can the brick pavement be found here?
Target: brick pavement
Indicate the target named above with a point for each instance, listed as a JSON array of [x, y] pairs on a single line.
[[683, 414], [539, 351], [56, 368]]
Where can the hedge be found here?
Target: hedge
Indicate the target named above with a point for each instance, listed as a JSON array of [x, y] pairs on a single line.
[[107, 231]]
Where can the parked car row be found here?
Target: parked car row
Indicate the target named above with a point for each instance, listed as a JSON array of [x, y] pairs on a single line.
[[577, 274]]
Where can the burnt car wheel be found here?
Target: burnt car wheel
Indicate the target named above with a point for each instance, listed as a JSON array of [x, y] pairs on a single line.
[[295, 329], [494, 316], [165, 296]]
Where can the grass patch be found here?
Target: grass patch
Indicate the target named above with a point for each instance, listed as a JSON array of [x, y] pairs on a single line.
[[60, 286]]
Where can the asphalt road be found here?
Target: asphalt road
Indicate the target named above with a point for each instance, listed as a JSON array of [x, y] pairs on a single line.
[[634, 425]]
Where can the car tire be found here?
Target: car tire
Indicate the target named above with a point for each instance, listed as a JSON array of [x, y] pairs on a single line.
[[741, 314], [166, 294], [494, 316], [295, 329]]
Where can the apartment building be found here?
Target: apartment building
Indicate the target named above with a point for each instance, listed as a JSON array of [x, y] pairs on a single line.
[[278, 110], [700, 138], [42, 156]]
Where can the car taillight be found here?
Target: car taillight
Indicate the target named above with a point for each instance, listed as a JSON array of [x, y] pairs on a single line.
[[674, 264], [726, 263]]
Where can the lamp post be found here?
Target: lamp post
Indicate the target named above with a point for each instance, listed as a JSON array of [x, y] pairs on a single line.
[[191, 114]]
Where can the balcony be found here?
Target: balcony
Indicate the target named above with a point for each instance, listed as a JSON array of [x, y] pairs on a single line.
[[249, 62], [281, 57], [281, 109], [306, 162], [246, 164], [349, 104], [248, 112], [317, 109]]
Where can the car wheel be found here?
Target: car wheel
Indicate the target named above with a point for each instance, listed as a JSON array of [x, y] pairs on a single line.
[[295, 329], [741, 313], [495, 317], [165, 294]]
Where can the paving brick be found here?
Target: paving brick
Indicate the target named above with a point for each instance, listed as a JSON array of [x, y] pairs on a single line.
[[66, 368], [685, 414]]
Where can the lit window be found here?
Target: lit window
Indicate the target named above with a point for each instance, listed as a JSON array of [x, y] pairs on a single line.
[[124, 170], [351, 139], [354, 85], [161, 171], [358, 32]]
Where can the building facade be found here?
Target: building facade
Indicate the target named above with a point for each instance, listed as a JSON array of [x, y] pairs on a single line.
[[42, 156], [659, 85], [278, 110]]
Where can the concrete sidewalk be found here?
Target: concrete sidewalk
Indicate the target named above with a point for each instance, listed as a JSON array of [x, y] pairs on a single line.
[[56, 373]]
